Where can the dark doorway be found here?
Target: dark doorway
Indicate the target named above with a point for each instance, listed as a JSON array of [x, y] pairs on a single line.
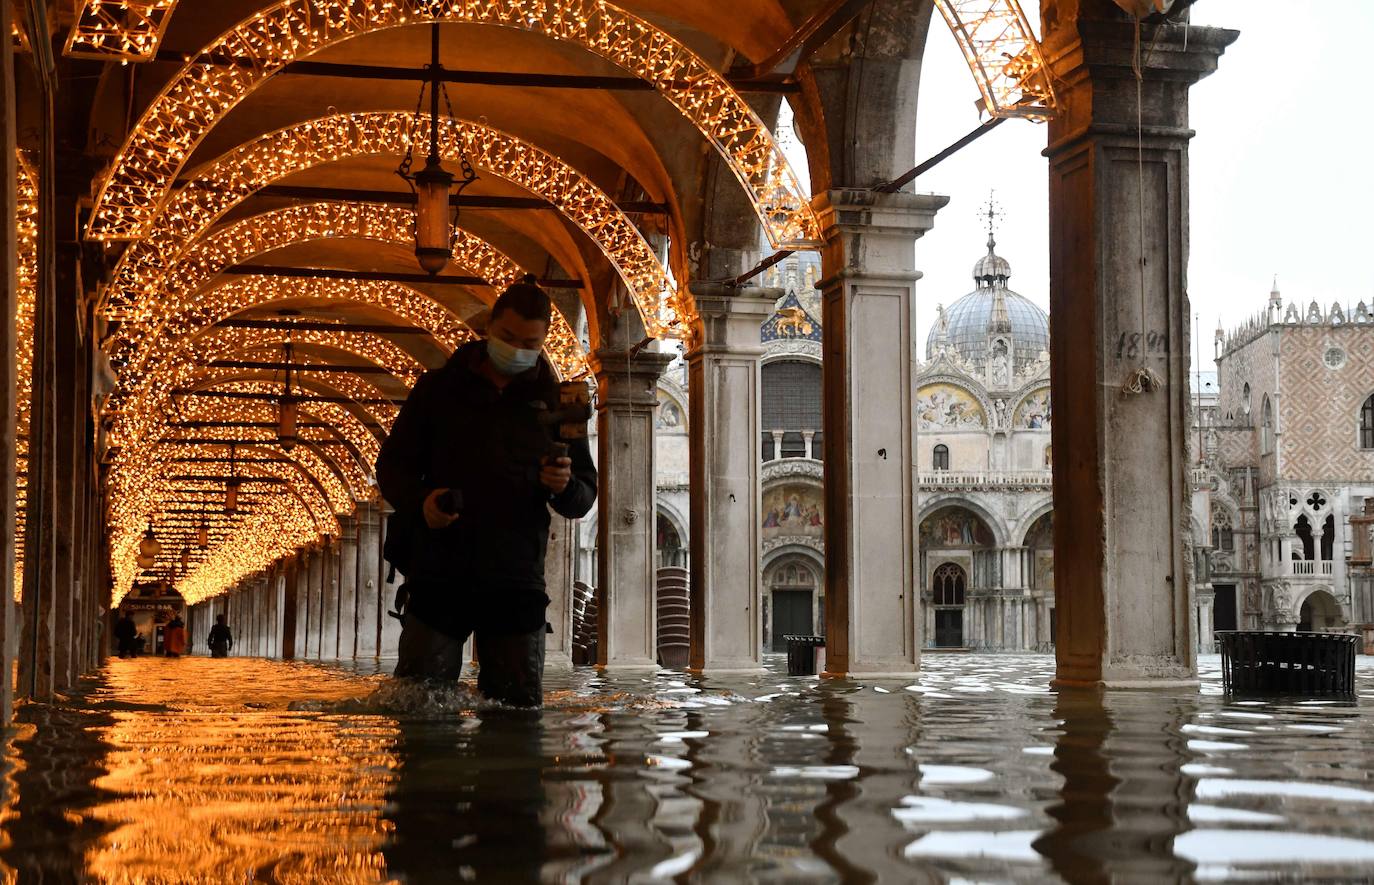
[[791, 616], [1224, 608], [949, 627]]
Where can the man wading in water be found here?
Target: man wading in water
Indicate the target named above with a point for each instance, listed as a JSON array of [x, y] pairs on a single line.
[[472, 466]]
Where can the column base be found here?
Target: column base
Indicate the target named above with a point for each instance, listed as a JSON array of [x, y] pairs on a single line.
[[629, 667], [708, 672], [1125, 684], [873, 674]]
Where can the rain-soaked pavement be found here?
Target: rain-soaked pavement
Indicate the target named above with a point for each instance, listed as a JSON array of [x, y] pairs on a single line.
[[249, 770]]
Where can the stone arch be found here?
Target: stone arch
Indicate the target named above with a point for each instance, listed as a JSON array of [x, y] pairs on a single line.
[[671, 394], [939, 406], [1318, 610], [997, 532], [678, 526], [189, 106], [1029, 402], [1030, 523], [1365, 424], [857, 111]]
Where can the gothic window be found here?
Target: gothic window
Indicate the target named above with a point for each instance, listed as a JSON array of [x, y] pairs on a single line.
[[1049, 457], [941, 458], [792, 404], [1367, 424], [1303, 529], [948, 584], [1267, 428], [1245, 399], [1223, 530], [1328, 537]]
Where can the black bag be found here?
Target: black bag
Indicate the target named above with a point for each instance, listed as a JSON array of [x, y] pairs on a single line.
[[399, 547]]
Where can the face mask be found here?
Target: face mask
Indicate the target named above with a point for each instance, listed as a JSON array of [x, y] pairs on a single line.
[[510, 360]]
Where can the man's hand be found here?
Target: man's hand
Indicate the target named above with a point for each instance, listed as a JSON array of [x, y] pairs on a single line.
[[555, 474], [435, 517]]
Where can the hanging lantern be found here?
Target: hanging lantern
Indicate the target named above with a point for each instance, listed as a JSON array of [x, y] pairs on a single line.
[[434, 229], [146, 561], [149, 546], [288, 408]]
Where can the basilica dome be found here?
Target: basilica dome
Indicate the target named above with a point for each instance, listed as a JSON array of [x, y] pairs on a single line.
[[966, 323]]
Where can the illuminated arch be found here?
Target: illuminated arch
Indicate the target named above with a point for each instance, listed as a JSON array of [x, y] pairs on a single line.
[[200, 95], [134, 410], [167, 288], [237, 175]]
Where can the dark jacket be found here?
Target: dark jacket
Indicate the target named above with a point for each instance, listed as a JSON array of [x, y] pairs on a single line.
[[220, 635], [458, 431]]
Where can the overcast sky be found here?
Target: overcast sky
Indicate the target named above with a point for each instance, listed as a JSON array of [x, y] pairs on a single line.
[[1281, 169]]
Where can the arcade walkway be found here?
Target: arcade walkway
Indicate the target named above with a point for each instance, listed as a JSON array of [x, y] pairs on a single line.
[[246, 769]]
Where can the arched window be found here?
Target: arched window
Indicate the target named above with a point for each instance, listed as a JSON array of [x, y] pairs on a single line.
[[1223, 530], [1367, 424], [941, 457], [1267, 428], [1303, 529], [1245, 400], [1049, 457], [1329, 537], [948, 584]]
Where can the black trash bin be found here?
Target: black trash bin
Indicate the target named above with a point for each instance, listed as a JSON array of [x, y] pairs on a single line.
[[1276, 662], [801, 654]]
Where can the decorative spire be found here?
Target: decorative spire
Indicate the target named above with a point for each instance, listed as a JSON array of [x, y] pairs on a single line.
[[1274, 297], [999, 321]]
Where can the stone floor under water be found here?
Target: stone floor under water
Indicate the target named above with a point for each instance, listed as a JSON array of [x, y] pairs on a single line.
[[254, 770]]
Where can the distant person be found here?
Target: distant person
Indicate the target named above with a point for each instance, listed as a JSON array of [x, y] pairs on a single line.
[[220, 640], [474, 461], [174, 637], [126, 634]]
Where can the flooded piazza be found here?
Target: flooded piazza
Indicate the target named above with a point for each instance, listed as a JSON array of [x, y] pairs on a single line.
[[200, 770]]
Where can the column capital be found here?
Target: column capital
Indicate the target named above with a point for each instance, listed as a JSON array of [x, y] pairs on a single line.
[[628, 379], [728, 319], [874, 232], [1094, 61]]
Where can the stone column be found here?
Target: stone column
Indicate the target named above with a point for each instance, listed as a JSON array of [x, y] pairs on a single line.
[[314, 602], [329, 610], [1206, 640], [626, 401], [870, 351], [726, 483], [558, 579], [391, 628], [1121, 323], [369, 580], [289, 603], [348, 586]]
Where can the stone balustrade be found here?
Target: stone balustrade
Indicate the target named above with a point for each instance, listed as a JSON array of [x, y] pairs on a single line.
[[989, 479]]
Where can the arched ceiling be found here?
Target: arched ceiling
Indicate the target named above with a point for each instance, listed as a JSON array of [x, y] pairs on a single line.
[[247, 203]]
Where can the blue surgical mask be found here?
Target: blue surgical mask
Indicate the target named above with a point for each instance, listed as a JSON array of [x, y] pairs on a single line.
[[510, 360]]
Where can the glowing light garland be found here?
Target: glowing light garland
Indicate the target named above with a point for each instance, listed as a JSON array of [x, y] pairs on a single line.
[[1003, 55], [26, 273], [167, 288], [123, 29], [201, 94], [232, 178], [135, 411]]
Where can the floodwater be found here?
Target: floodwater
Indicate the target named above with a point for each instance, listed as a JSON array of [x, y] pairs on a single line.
[[238, 770]]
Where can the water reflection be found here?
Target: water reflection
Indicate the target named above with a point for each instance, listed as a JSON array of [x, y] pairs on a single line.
[[257, 770]]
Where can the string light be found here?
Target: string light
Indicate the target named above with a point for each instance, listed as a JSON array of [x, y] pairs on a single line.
[[1003, 56], [165, 288], [124, 29], [200, 94], [26, 273], [234, 177]]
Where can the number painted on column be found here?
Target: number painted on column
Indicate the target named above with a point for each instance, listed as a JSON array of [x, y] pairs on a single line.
[[1131, 344]]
